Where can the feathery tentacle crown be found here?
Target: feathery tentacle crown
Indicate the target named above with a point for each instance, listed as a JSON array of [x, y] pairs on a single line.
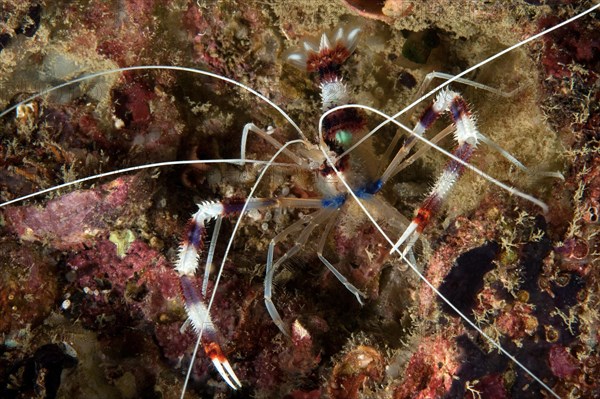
[[327, 54]]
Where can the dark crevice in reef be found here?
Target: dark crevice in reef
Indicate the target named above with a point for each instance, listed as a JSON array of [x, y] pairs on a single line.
[[40, 373], [476, 364], [550, 332], [564, 289], [465, 279], [4, 40], [28, 26], [31, 23]]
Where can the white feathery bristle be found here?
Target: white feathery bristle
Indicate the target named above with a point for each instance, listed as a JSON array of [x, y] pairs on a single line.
[[309, 47], [325, 43], [187, 262], [443, 100], [208, 210], [334, 93], [198, 313]]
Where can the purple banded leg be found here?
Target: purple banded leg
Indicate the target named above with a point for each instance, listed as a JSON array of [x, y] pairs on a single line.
[[211, 253], [187, 264], [202, 323], [193, 241], [440, 75], [428, 118], [467, 138], [220, 210]]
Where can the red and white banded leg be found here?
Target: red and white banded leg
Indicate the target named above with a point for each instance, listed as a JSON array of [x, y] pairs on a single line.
[[202, 323], [399, 162], [196, 309], [187, 264], [466, 136]]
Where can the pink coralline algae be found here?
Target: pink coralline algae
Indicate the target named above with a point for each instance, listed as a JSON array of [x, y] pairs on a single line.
[[216, 40], [123, 33], [579, 44], [531, 323], [365, 254], [472, 234], [517, 322], [430, 370], [140, 290], [489, 387], [75, 219], [28, 287], [562, 363]]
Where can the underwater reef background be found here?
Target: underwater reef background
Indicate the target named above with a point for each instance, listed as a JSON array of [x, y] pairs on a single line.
[[89, 301]]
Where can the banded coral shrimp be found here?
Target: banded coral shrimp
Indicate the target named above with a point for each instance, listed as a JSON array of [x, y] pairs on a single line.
[[222, 306]]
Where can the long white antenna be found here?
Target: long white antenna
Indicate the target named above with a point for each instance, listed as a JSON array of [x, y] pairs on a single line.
[[471, 69], [140, 167], [511, 190], [159, 67], [430, 285]]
